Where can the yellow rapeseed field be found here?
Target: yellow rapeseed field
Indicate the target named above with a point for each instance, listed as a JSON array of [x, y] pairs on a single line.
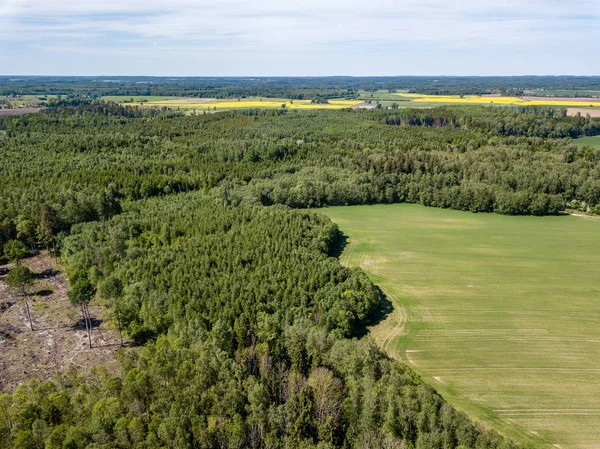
[[476, 99], [253, 103]]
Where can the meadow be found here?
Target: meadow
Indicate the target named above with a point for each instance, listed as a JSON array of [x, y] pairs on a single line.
[[590, 141], [500, 314], [564, 92]]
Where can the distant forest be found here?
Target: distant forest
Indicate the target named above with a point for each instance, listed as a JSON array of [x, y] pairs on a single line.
[[287, 87], [84, 162], [196, 229]]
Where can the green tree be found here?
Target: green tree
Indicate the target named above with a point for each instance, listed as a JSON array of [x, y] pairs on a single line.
[[80, 294], [15, 250], [26, 230], [112, 288], [48, 225], [20, 278]]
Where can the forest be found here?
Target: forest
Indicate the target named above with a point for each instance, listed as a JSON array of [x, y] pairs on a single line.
[[74, 164], [289, 87], [199, 231]]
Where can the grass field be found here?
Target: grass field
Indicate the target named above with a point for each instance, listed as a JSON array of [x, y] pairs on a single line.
[[500, 314], [565, 93], [592, 141], [136, 98]]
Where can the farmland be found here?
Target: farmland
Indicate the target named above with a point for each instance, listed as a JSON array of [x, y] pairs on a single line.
[[500, 314], [592, 141], [499, 100], [384, 98], [209, 104]]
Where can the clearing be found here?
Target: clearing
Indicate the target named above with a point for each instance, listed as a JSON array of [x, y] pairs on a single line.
[[583, 112], [59, 339], [500, 314], [19, 111]]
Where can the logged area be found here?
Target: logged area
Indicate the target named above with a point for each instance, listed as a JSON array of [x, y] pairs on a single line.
[[59, 341], [500, 314]]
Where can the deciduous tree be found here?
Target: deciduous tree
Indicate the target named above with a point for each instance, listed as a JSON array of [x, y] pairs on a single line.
[[80, 293], [15, 250], [20, 278]]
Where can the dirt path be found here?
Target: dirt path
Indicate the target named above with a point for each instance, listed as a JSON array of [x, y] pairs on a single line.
[[59, 339], [387, 331], [575, 214]]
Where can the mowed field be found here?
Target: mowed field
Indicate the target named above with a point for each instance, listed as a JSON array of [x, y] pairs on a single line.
[[500, 314]]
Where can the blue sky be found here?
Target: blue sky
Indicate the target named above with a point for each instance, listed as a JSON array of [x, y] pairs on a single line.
[[292, 37]]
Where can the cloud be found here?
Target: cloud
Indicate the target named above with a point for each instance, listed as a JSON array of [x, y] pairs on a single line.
[[236, 28]]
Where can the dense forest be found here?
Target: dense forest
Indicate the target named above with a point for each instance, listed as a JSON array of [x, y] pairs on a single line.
[[195, 229], [76, 164], [288, 87]]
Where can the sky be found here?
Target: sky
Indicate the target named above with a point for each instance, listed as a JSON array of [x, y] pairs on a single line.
[[299, 37]]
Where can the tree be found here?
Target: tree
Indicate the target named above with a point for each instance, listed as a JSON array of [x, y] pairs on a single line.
[[112, 288], [26, 230], [328, 396], [47, 224], [80, 294], [19, 278], [108, 206], [15, 250]]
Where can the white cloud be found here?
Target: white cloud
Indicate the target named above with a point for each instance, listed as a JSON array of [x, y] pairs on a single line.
[[235, 27]]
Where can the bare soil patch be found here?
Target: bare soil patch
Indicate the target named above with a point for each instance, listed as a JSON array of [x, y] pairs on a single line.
[[583, 112], [20, 111], [59, 338]]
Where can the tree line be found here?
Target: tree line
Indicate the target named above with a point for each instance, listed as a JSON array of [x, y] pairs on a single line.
[[291, 87]]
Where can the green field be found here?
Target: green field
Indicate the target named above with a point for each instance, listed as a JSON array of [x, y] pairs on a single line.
[[591, 141], [136, 98], [500, 314], [565, 93]]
